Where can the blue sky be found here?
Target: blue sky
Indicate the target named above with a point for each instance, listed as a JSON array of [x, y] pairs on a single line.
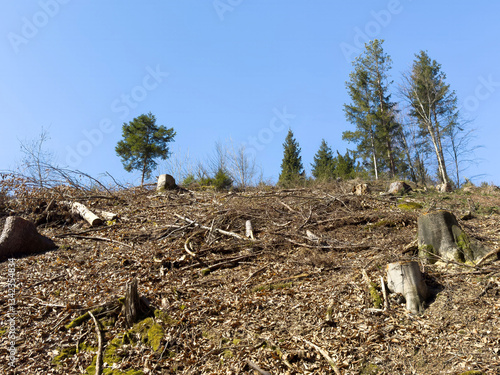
[[245, 69]]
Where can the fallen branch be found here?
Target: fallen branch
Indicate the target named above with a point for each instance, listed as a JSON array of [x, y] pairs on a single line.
[[257, 368], [98, 362], [193, 255], [232, 234], [324, 353], [491, 253]]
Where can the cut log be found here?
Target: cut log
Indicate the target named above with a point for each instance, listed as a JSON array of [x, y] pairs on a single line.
[[405, 278], [84, 212], [441, 237], [20, 237], [165, 182]]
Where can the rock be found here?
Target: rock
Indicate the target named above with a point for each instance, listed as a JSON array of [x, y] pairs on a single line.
[[165, 182], [441, 237], [361, 189], [399, 188], [20, 237]]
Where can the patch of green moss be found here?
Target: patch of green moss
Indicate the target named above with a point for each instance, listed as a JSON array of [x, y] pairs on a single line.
[[427, 252], [205, 272], [70, 351], [473, 372], [165, 318], [228, 353], [410, 206], [2, 331], [370, 369], [375, 295], [463, 242], [155, 334], [261, 288], [82, 318], [384, 223]]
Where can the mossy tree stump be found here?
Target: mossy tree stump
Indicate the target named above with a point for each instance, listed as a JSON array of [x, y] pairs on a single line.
[[440, 236], [405, 278]]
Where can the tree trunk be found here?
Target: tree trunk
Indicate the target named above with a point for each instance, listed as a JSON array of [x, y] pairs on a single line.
[[405, 278]]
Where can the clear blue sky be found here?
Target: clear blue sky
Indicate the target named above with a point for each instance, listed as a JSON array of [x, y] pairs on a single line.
[[246, 69]]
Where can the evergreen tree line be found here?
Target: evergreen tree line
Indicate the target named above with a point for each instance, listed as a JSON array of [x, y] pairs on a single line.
[[326, 167], [422, 137]]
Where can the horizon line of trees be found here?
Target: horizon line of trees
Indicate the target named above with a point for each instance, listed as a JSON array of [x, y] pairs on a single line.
[[423, 137]]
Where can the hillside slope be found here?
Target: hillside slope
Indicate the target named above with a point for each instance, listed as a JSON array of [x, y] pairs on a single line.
[[241, 303]]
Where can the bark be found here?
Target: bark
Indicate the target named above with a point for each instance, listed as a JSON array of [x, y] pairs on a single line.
[[132, 303], [85, 213], [441, 237]]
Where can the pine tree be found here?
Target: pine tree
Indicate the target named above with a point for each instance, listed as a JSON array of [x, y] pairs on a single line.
[[323, 167], [291, 166], [371, 110], [433, 105], [345, 166], [143, 142]]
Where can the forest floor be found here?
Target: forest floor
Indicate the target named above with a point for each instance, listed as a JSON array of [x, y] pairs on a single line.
[[275, 304]]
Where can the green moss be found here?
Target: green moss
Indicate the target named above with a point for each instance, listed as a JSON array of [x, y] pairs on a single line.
[[83, 318], [375, 295], [228, 353], [427, 252], [155, 334], [2, 331], [370, 369], [261, 288], [463, 242], [473, 372], [165, 318], [205, 272], [410, 206], [70, 351]]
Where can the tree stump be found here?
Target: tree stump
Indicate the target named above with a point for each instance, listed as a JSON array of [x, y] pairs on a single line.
[[361, 189], [399, 188], [405, 278], [440, 236], [165, 182], [20, 237], [132, 303]]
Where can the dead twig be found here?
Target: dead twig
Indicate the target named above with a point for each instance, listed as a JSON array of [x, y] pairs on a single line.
[[98, 362], [227, 233], [491, 253], [324, 353], [257, 368]]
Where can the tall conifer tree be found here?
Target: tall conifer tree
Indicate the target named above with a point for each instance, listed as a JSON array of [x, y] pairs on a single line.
[[371, 109], [291, 166], [323, 167]]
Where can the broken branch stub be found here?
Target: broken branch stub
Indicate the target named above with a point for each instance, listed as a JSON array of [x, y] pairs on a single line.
[[405, 278], [440, 236], [20, 237]]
